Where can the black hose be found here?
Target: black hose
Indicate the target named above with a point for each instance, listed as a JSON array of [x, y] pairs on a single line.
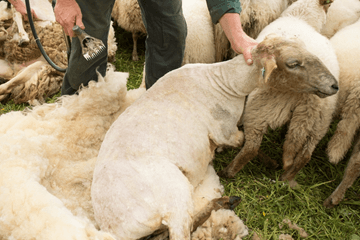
[[28, 10]]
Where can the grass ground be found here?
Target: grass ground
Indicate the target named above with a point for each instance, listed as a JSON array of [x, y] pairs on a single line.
[[266, 201]]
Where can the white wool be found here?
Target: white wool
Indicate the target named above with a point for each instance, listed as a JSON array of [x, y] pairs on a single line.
[[341, 14], [200, 45], [47, 157]]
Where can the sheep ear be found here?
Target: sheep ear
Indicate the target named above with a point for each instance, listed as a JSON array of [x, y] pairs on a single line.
[[269, 65]]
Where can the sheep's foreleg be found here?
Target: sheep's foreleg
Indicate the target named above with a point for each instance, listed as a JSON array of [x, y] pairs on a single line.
[[24, 37], [21, 78], [135, 37], [342, 139], [216, 204], [248, 152]]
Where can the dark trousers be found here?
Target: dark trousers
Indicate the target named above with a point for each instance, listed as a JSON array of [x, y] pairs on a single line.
[[97, 19], [166, 34]]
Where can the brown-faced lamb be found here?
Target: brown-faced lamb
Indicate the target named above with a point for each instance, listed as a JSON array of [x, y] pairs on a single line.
[[302, 94], [347, 47], [27, 75], [157, 152]]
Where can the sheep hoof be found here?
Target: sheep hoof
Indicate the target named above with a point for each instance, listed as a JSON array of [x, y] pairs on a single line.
[[224, 174], [23, 42], [293, 184], [234, 201], [268, 161], [328, 203]]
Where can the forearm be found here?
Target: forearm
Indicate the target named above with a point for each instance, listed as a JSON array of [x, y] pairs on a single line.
[[218, 8], [239, 40]]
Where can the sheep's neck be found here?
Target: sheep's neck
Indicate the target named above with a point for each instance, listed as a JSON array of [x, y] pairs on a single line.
[[235, 77]]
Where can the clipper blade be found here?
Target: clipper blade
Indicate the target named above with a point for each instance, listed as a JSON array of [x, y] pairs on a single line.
[[91, 47]]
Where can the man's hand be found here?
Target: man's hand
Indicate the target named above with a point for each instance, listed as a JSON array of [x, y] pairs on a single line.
[[240, 42], [68, 14], [21, 8]]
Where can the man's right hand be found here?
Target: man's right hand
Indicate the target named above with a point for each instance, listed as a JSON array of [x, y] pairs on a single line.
[[68, 14]]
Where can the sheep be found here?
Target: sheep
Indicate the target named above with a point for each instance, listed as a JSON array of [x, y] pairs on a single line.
[[45, 178], [254, 16], [127, 14], [305, 99], [341, 14], [158, 150], [347, 48], [28, 76]]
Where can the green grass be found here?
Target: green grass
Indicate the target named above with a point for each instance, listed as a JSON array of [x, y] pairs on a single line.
[[266, 201]]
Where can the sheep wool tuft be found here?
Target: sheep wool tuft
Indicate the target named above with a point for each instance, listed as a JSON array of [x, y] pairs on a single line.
[[47, 159]]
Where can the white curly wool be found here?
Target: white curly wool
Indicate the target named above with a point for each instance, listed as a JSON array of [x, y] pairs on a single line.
[[47, 157]]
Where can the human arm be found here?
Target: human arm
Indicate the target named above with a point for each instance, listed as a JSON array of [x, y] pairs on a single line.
[[68, 14], [227, 14], [21, 8], [239, 40]]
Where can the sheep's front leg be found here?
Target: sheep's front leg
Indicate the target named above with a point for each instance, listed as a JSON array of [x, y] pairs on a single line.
[[135, 37], [253, 139], [24, 37], [301, 139], [352, 172], [216, 204]]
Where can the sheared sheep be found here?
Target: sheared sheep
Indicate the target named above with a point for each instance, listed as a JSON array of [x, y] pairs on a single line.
[[158, 150], [341, 14], [47, 160], [28, 77], [347, 47], [302, 94]]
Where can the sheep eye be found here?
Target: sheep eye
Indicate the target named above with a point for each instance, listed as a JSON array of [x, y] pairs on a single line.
[[292, 64]]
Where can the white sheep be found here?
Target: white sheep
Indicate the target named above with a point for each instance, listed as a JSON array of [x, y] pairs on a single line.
[[157, 152], [200, 30], [254, 16], [127, 14], [347, 47], [28, 77], [47, 156], [304, 100], [341, 14]]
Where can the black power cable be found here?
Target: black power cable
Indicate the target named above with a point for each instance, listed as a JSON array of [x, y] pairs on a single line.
[[28, 10]]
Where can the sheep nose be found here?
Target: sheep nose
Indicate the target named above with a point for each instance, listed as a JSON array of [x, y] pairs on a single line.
[[335, 87]]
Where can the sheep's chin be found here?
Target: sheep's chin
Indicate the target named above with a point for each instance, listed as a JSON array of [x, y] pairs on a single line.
[[322, 94]]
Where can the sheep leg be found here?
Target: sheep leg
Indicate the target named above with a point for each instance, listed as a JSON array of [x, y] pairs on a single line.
[[216, 204], [21, 78], [342, 139], [135, 37], [352, 172], [3, 34], [246, 154], [24, 37]]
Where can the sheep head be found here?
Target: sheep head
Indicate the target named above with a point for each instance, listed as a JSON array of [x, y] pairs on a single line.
[[290, 67]]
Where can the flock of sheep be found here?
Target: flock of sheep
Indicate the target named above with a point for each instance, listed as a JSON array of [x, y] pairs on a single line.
[[86, 167]]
